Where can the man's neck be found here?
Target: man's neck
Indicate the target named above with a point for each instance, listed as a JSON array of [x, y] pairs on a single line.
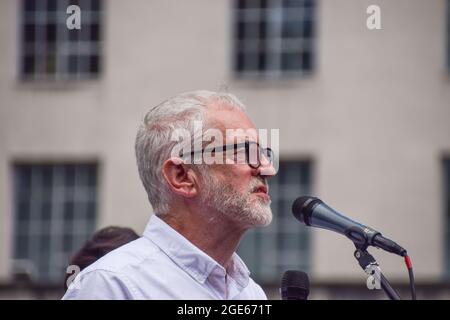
[[213, 235]]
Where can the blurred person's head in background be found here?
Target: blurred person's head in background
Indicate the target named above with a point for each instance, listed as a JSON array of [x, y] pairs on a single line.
[[102, 242]]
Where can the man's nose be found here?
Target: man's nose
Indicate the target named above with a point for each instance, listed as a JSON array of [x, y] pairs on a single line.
[[267, 169]]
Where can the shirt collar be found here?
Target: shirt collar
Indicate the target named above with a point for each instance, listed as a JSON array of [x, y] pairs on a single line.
[[190, 258]]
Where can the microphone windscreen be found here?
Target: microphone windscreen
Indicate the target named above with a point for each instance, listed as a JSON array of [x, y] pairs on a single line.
[[294, 285], [302, 208]]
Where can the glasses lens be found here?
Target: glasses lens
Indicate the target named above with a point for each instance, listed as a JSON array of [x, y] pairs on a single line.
[[253, 155], [266, 156], [239, 154]]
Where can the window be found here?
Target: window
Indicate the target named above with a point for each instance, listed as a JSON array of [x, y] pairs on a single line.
[[55, 213], [447, 215], [274, 37], [285, 243], [50, 50]]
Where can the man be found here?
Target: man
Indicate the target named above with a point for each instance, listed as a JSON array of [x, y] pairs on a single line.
[[201, 210]]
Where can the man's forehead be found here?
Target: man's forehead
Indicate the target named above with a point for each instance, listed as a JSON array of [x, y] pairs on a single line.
[[241, 135], [234, 124]]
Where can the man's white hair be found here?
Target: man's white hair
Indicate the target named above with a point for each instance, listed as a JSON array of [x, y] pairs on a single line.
[[154, 142]]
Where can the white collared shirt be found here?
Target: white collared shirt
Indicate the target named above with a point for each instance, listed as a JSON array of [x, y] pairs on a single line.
[[162, 264]]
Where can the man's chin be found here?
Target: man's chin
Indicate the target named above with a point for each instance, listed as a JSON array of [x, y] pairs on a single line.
[[262, 218], [261, 200]]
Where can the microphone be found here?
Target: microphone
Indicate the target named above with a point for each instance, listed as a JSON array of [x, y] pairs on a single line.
[[294, 285], [315, 213]]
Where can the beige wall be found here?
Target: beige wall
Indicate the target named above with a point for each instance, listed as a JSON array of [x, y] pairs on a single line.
[[374, 116]]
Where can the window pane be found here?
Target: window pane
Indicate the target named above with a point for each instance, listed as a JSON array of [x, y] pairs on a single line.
[[28, 65], [308, 29], [53, 215], [291, 61], [29, 5], [73, 64], [51, 5], [51, 33], [292, 29], [29, 33], [292, 3], [95, 32], [307, 62], [274, 37], [48, 45], [95, 5]]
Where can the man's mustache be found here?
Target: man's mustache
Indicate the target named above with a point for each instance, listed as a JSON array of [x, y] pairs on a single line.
[[257, 182]]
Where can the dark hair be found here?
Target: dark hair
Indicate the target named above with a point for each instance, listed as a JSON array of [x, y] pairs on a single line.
[[102, 242]]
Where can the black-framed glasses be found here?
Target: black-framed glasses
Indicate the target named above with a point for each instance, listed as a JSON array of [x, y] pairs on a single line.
[[249, 152]]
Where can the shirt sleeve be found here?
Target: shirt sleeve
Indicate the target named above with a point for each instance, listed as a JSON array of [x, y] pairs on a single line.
[[101, 285], [260, 294], [252, 291]]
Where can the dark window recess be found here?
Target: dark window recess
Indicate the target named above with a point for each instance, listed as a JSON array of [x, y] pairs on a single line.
[[49, 48], [54, 212], [274, 38]]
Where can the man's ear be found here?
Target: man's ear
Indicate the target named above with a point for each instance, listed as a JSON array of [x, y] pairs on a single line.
[[180, 179]]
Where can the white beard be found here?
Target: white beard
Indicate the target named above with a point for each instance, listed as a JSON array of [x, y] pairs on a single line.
[[239, 207]]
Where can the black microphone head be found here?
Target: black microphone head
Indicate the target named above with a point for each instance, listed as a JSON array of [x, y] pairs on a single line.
[[302, 208], [294, 285], [314, 213]]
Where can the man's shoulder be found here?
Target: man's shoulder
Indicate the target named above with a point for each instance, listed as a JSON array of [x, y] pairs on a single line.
[[126, 258], [255, 291], [117, 274]]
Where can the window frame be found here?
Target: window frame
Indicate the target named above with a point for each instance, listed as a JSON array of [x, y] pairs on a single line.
[[86, 51], [55, 224], [276, 71]]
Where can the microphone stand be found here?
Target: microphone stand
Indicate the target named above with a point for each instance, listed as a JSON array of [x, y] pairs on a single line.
[[369, 265]]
